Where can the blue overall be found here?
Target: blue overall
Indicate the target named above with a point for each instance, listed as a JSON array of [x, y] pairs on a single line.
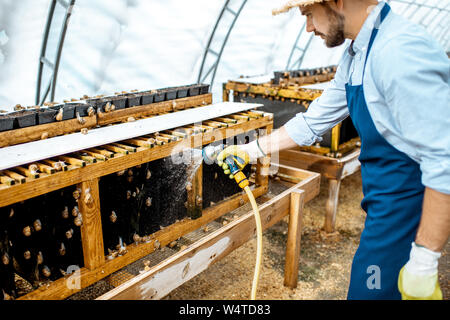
[[393, 196]]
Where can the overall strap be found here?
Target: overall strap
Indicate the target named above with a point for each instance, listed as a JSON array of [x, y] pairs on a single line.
[[383, 15]]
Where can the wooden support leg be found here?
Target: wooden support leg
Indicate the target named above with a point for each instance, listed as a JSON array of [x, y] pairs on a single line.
[[195, 190], [91, 230], [294, 239], [332, 204]]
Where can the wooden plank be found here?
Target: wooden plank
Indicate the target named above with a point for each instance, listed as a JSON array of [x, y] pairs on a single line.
[[91, 230], [171, 273], [294, 238], [14, 156], [61, 180], [35, 133], [329, 167], [7, 180], [14, 175]]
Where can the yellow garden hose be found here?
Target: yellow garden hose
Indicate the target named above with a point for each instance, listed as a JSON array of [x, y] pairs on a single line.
[[230, 165], [259, 242]]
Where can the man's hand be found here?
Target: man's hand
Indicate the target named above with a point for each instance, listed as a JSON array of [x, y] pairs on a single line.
[[418, 279], [242, 155]]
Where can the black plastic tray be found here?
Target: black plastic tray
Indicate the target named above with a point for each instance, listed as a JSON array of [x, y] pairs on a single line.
[[24, 118], [204, 88], [68, 111], [194, 90], [171, 93], [46, 115], [119, 102], [160, 95], [147, 98], [134, 100], [6, 122], [182, 92]]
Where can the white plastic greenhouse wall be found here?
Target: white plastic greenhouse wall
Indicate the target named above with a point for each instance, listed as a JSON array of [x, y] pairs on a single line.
[[116, 45]]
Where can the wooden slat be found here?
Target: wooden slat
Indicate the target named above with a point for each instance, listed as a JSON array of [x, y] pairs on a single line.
[[104, 152], [34, 133], [46, 168], [115, 149], [124, 146], [27, 172], [14, 175], [141, 142], [7, 180], [96, 155], [57, 165], [294, 238], [331, 168], [73, 161], [85, 157], [91, 230]]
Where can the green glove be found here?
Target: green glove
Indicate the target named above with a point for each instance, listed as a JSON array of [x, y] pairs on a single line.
[[418, 279], [240, 157]]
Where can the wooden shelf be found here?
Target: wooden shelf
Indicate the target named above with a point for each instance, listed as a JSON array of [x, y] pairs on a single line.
[[86, 176]]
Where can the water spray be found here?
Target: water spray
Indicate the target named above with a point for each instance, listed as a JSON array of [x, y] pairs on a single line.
[[210, 154]]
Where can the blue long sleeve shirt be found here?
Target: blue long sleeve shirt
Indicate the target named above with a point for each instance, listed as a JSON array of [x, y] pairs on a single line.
[[407, 91]]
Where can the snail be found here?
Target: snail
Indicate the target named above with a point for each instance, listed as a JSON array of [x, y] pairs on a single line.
[[69, 234], [26, 231], [40, 258], [65, 213], [113, 217], [75, 211], [62, 249], [27, 255], [46, 272], [76, 194], [78, 221], [137, 238], [59, 116], [5, 259], [37, 225]]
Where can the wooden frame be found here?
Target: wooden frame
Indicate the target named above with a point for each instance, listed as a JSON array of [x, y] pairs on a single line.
[[176, 270], [295, 93], [290, 92], [86, 175], [332, 169]]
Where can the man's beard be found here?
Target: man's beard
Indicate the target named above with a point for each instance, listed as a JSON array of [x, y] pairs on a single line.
[[335, 36]]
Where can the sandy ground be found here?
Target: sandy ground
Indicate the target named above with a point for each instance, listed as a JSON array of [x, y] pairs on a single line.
[[325, 259]]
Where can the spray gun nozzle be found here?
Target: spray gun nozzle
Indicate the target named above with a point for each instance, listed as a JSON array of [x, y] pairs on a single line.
[[210, 154]]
